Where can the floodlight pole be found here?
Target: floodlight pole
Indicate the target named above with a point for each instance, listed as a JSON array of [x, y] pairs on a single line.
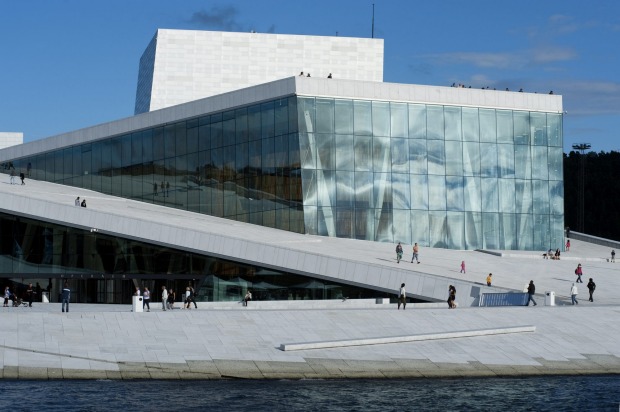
[[581, 147]]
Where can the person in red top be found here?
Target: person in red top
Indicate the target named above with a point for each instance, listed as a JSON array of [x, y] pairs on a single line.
[[578, 272], [568, 245]]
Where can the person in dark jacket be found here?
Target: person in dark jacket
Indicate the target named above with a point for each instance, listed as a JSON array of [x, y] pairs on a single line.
[[66, 296], [531, 289], [591, 286]]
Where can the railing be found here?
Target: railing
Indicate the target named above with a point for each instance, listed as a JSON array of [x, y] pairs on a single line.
[[503, 299]]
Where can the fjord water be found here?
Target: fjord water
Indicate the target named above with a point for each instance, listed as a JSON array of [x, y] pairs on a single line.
[[548, 393]]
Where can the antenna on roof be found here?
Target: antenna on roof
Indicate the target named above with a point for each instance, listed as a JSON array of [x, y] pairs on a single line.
[[373, 20]]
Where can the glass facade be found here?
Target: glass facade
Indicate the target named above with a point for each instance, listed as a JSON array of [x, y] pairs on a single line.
[[442, 176], [105, 269]]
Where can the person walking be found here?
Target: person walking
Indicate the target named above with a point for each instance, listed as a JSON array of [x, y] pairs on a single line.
[[489, 279], [247, 298], [531, 290], [399, 252], [591, 287], [83, 204], [22, 176], [164, 297], [7, 296], [567, 245], [171, 299], [416, 249], [193, 295], [146, 299], [188, 298], [573, 294], [30, 294], [613, 256], [579, 272], [451, 297], [402, 296], [77, 201], [66, 297], [12, 176], [463, 266]]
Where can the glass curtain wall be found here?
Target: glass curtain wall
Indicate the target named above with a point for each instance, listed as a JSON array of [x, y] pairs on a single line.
[[442, 176]]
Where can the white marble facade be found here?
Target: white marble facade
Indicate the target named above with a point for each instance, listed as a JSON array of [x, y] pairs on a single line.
[[180, 66]]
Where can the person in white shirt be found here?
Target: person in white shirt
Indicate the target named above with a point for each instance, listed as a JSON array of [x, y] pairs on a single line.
[[146, 299], [164, 297], [573, 294], [402, 296]]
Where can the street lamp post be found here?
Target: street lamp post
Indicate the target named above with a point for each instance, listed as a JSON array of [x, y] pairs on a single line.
[[581, 147]]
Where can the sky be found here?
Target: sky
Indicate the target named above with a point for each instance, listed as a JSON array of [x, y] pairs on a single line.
[[69, 64]]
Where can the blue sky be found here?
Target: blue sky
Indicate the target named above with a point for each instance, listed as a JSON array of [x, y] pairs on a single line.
[[68, 64]]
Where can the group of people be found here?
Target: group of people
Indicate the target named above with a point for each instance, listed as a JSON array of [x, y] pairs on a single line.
[[414, 256], [168, 298], [165, 189], [12, 176], [553, 255], [27, 297], [82, 203]]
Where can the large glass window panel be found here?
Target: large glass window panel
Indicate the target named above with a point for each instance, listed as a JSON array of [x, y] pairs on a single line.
[[522, 127], [363, 152], [228, 128], [454, 193], [326, 188], [557, 230], [146, 138], [402, 226], [401, 192], [419, 191], [345, 226], [365, 224], [126, 150], [472, 198], [507, 195], [523, 196], [281, 153], [96, 166], [556, 198], [523, 162], [72, 167], [506, 160], [417, 156], [380, 118], [554, 131], [310, 219], [471, 124], [345, 189], [204, 136], [436, 157], [454, 158], [326, 152], [417, 121], [434, 122], [508, 231], [455, 236], [540, 189], [437, 192], [437, 229], [364, 190], [555, 159], [281, 117], [307, 150], [293, 119], [488, 160], [382, 191], [399, 126], [268, 161], [267, 119], [180, 135], [106, 166], [169, 141], [216, 131], [400, 155], [419, 227], [344, 117], [453, 125], [254, 118], [192, 140], [491, 231], [525, 228], [505, 129], [488, 125], [325, 115], [362, 116], [344, 152], [471, 159], [241, 125], [473, 230], [540, 166], [326, 220], [383, 226], [490, 195], [538, 127], [542, 233], [381, 154]]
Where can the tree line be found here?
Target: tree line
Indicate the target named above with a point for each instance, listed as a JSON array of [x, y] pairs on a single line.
[[601, 193]]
